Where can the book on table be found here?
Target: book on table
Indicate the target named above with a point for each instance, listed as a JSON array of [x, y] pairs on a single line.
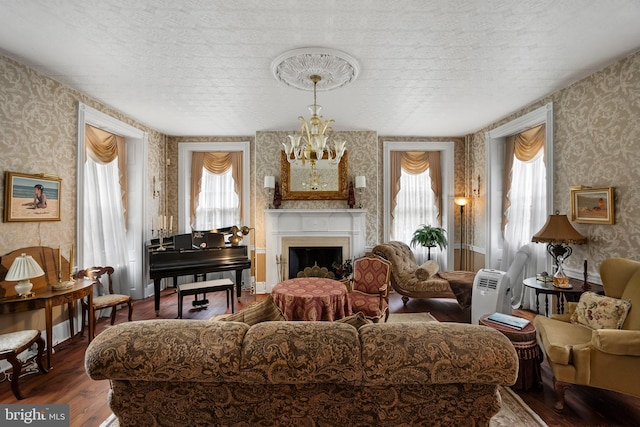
[[508, 320]]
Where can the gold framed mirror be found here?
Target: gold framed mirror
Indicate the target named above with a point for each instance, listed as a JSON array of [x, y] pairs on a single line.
[[323, 181]]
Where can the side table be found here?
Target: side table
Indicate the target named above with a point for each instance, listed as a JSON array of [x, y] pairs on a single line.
[[527, 348], [564, 294]]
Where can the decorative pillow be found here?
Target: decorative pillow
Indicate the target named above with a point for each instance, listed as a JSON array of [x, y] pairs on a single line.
[[264, 311], [426, 270], [355, 320], [600, 312]]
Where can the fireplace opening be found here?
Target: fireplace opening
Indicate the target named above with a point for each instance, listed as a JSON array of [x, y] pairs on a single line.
[[325, 256]]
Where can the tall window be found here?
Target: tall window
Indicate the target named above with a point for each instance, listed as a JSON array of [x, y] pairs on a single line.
[[417, 200], [525, 207], [104, 234], [216, 189], [218, 203]]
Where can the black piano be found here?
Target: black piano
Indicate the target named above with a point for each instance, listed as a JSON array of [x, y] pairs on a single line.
[[174, 257]]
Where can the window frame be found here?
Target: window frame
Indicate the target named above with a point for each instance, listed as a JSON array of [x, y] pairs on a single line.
[[184, 178]]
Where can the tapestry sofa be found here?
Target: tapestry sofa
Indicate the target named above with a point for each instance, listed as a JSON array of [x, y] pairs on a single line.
[[424, 281], [597, 343], [170, 372]]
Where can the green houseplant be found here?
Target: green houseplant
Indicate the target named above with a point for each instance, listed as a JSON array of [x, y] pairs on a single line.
[[429, 237]]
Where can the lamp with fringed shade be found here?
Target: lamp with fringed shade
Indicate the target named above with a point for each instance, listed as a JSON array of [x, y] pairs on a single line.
[[558, 232]]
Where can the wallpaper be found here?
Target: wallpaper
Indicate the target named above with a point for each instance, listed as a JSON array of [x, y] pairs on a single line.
[[596, 131], [597, 144], [38, 123]]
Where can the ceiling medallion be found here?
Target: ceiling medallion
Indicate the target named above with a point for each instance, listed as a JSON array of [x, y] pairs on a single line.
[[335, 68]]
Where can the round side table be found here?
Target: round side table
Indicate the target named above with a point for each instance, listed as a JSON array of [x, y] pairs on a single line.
[[527, 348]]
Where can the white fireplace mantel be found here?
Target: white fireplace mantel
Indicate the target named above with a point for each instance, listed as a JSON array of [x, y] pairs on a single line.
[[314, 227]]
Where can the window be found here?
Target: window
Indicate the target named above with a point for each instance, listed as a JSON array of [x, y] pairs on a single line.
[[445, 151], [218, 204], [415, 205]]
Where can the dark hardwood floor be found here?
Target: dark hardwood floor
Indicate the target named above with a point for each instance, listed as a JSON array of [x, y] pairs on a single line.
[[68, 383]]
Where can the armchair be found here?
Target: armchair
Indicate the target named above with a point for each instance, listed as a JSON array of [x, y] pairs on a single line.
[[370, 287], [603, 358]]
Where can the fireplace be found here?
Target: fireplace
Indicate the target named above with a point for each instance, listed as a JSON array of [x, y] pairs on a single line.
[[310, 228], [305, 256]]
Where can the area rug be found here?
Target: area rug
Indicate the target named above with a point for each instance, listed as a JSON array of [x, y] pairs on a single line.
[[411, 317], [514, 412]]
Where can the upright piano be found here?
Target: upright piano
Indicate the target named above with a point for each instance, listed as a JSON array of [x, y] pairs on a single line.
[[173, 259]]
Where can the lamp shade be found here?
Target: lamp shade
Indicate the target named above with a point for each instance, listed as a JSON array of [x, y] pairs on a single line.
[[269, 181], [558, 230], [361, 181], [23, 268], [460, 200]]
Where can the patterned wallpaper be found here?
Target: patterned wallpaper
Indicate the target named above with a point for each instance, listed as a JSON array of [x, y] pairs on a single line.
[[597, 144], [38, 119]]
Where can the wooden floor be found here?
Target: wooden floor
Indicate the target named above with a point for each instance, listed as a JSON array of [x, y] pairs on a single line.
[[68, 383]]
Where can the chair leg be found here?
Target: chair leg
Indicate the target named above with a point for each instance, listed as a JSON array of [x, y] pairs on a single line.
[[84, 311], [113, 315], [130, 310], [405, 300], [15, 375], [560, 388], [40, 343]]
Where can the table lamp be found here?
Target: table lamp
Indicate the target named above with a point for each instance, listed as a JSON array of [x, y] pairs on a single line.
[[557, 233], [23, 268]]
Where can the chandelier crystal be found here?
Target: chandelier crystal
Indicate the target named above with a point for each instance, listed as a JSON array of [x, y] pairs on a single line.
[[312, 142]]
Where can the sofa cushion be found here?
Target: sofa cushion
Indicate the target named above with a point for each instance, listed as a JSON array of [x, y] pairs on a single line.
[[263, 311], [355, 320], [600, 312], [426, 270], [292, 353], [558, 338]]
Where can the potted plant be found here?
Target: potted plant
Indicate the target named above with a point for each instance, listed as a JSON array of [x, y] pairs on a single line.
[[429, 237]]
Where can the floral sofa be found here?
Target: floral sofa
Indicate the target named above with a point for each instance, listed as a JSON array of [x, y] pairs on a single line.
[[228, 373]]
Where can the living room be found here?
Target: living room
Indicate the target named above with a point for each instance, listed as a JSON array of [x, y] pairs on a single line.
[[595, 132]]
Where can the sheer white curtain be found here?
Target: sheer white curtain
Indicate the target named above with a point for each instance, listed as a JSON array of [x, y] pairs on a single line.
[[104, 234], [526, 214], [416, 205], [218, 203]]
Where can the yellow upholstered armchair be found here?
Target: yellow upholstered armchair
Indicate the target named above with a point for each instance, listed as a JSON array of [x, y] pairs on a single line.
[[597, 343]]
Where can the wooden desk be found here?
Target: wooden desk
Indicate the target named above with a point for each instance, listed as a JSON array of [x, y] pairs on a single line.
[[47, 299], [563, 294]]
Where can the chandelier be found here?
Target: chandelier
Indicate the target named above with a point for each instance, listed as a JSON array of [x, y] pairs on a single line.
[[312, 143]]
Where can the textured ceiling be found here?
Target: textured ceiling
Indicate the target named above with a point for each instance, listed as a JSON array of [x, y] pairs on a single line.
[[203, 67]]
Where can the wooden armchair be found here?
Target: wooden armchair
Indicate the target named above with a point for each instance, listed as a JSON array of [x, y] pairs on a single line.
[[104, 299], [370, 287]]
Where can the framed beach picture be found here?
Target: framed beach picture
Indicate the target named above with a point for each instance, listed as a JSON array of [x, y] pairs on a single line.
[[592, 205], [31, 197]]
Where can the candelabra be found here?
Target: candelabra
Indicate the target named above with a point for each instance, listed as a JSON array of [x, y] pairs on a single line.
[[163, 231]]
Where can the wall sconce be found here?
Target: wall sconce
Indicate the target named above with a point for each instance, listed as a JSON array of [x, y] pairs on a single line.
[[270, 184], [361, 184], [157, 185], [476, 191]]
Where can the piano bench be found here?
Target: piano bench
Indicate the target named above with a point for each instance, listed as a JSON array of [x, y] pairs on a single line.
[[204, 287]]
